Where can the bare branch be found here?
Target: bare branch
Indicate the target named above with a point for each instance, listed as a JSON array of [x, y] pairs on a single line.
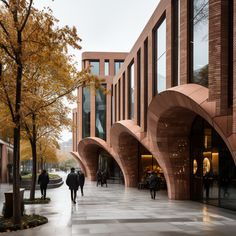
[[5, 2], [6, 94], [7, 51], [27, 16]]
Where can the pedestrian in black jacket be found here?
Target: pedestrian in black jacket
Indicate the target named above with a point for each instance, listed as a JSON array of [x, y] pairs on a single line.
[[81, 181], [43, 181], [72, 181]]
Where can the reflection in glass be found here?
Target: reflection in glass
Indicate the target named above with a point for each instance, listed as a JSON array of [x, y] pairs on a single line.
[[131, 91], [214, 182], [106, 68], [194, 166], [118, 65], [161, 57], [86, 113], [94, 67], [200, 44], [100, 114], [161, 73], [206, 166]]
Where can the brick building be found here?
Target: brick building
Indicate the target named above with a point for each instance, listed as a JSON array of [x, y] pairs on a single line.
[[173, 100]]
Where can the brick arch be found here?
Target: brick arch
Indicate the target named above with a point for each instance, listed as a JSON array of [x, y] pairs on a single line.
[[88, 151], [81, 164], [170, 117], [125, 136]]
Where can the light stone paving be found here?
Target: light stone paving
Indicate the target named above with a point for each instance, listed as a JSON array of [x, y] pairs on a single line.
[[120, 211]]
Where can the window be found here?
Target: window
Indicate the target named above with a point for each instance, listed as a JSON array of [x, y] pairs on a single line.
[[138, 85], [124, 100], [160, 57], [199, 41], [100, 115], [145, 82], [131, 90], [86, 113], [94, 67], [119, 100], [106, 68], [230, 50], [115, 100], [112, 105], [176, 43], [118, 65]]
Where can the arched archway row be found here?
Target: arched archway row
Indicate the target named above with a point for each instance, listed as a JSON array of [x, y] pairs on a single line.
[[88, 151], [170, 117]]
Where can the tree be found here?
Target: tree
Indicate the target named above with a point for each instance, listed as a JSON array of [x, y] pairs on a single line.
[[27, 36]]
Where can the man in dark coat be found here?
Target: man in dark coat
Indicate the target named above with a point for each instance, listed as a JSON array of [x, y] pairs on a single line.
[[43, 181], [73, 183], [153, 184], [81, 181]]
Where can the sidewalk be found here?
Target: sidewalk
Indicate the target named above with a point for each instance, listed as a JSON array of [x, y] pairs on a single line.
[[120, 211]]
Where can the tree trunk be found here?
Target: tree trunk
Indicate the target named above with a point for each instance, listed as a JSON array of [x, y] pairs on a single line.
[[16, 178], [34, 160], [16, 152]]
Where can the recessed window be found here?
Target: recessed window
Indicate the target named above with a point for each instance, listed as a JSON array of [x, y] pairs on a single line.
[[118, 65], [86, 113], [106, 68], [131, 91], [160, 57], [101, 113], [199, 41], [94, 67]]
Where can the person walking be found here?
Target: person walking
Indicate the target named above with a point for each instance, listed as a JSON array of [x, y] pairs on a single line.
[[104, 178], [81, 181], [43, 181], [73, 183], [153, 182], [99, 177]]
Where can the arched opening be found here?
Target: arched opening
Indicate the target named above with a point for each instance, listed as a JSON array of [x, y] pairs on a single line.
[[138, 160], [108, 164], [212, 168], [96, 155]]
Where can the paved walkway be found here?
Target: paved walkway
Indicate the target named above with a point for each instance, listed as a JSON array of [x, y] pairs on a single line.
[[120, 211]]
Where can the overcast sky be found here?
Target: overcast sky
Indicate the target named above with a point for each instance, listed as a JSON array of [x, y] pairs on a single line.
[[103, 25]]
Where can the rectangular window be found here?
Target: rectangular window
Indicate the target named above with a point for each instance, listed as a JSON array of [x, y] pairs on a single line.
[[160, 57], [119, 100], [115, 99], [145, 82], [100, 115], [106, 68], [86, 113], [112, 104], [118, 65], [131, 90], [95, 67], [176, 43], [124, 95], [138, 85], [199, 43], [230, 50]]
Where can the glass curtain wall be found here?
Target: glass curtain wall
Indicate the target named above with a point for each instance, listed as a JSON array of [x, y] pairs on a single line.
[[213, 171], [101, 113], [86, 113], [131, 91], [160, 56], [200, 41], [118, 65], [95, 67]]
